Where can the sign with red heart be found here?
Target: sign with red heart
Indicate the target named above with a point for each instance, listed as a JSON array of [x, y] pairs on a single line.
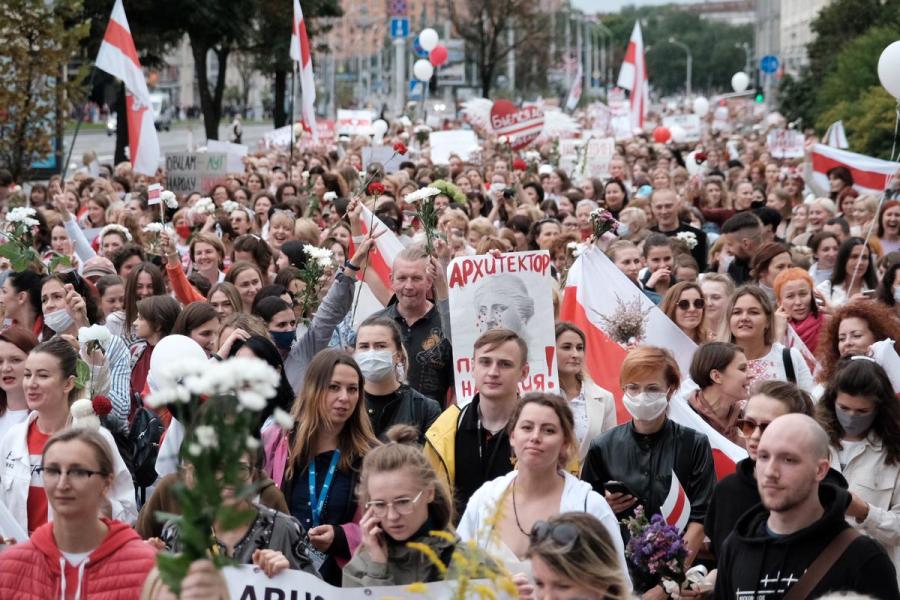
[[519, 125]]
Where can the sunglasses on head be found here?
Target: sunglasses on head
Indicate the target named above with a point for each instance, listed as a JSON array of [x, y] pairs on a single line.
[[563, 534], [685, 304], [746, 426]]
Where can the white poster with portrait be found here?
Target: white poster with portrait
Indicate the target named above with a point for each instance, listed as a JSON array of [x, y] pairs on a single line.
[[512, 291]]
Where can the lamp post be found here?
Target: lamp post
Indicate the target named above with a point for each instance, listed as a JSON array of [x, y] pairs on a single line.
[[690, 60], [746, 48]]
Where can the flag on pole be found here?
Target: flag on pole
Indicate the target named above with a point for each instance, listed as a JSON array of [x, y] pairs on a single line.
[[119, 58], [575, 90], [870, 175], [300, 54], [836, 137], [676, 508], [598, 294], [387, 247], [633, 77]]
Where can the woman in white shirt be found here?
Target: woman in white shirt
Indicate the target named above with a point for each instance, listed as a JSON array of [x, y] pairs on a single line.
[[854, 273], [862, 417], [501, 514], [751, 321], [15, 344]]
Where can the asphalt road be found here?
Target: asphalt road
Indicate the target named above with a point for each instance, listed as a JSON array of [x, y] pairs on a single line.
[[180, 138]]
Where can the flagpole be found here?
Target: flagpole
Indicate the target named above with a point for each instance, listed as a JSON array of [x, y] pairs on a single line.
[[293, 72], [90, 87]]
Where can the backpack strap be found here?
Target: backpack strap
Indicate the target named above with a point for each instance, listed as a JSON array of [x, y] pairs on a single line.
[[788, 365], [823, 563]]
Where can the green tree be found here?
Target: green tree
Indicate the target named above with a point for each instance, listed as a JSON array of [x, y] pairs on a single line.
[[868, 121], [38, 40], [797, 98]]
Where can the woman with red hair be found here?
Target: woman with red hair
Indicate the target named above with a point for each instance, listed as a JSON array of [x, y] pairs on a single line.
[[797, 307], [851, 331]]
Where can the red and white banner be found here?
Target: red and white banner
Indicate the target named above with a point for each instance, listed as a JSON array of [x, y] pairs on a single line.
[[387, 247], [836, 137], [119, 58], [602, 301], [575, 90], [300, 54], [520, 126], [870, 175], [676, 508], [633, 77]]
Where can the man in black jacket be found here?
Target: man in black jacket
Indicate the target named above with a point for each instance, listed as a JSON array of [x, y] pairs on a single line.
[[743, 235], [775, 543]]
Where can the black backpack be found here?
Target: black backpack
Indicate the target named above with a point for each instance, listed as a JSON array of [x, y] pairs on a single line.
[[145, 432]]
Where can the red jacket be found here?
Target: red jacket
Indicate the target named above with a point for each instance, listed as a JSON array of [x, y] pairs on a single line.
[[116, 570]]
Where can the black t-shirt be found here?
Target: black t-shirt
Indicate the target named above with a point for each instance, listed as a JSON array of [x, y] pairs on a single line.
[[700, 251]]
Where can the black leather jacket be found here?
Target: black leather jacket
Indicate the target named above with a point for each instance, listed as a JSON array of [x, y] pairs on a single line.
[[406, 406], [645, 464]]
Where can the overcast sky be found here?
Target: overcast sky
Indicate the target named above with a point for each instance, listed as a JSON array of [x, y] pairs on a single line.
[[608, 6]]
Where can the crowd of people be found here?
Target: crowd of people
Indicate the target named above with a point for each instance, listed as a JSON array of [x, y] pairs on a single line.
[[791, 298]]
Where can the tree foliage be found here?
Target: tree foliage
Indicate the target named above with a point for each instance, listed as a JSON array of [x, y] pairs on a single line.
[[38, 40]]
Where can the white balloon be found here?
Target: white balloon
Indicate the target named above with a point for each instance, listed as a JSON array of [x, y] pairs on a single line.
[[678, 133], [423, 69], [380, 127], [740, 81], [889, 69], [428, 39], [701, 106]]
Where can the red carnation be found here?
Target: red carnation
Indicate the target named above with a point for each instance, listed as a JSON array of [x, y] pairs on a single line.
[[400, 148], [699, 157], [520, 165], [101, 405], [376, 188]]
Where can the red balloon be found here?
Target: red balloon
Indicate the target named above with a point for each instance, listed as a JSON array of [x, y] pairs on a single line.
[[662, 134], [438, 56]]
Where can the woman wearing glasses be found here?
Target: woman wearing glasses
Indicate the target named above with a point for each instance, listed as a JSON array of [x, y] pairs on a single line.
[[404, 501], [80, 551], [644, 460], [685, 305], [573, 557], [501, 515]]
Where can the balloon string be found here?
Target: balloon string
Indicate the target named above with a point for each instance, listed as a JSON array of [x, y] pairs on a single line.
[[896, 125]]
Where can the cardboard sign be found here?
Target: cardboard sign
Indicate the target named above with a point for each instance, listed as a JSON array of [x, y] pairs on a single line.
[[689, 123], [234, 152], [188, 172], [512, 291], [280, 137], [521, 125], [384, 155], [462, 142], [250, 583], [785, 143], [354, 122], [599, 154]]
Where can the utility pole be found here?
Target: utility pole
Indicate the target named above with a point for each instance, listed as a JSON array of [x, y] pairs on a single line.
[[588, 55], [399, 74], [511, 56], [690, 60]]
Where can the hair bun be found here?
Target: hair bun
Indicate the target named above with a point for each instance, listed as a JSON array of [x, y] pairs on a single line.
[[403, 434]]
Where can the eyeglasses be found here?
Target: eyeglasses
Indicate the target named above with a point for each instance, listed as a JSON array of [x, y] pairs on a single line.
[[403, 506], [76, 475], [685, 304], [746, 427], [563, 534]]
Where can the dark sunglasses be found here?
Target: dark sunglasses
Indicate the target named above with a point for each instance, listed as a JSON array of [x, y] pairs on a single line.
[[685, 304], [563, 534], [746, 427]]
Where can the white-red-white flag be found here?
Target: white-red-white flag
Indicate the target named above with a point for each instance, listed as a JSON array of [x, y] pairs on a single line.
[[575, 91], [119, 58], [870, 175], [633, 77], [301, 54], [597, 295], [676, 508], [387, 246], [836, 137]]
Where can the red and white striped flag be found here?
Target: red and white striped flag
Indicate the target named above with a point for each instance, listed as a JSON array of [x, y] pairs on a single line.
[[387, 247], [119, 58], [676, 508], [301, 54], [633, 77], [870, 175], [597, 289], [836, 137]]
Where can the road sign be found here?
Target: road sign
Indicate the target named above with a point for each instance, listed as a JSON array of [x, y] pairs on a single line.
[[399, 27], [768, 63], [398, 8], [416, 90], [418, 49]]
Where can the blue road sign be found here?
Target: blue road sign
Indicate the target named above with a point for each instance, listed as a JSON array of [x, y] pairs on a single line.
[[416, 90], [399, 27], [418, 49], [768, 63]]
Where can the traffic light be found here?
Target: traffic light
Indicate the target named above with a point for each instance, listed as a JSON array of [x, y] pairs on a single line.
[[760, 96]]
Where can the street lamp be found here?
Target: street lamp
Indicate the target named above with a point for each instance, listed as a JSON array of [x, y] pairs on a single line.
[[690, 60], [746, 48]]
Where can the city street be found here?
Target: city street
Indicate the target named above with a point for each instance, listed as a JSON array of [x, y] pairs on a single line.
[[181, 137]]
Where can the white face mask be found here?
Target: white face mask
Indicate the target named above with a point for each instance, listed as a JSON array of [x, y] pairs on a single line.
[[58, 320], [897, 294], [646, 406], [376, 365]]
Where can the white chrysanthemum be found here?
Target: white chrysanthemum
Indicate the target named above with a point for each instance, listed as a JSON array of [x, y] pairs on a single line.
[[175, 394], [206, 436], [230, 206], [424, 193], [169, 199], [252, 443], [503, 139], [688, 237], [322, 256], [194, 449], [173, 374], [330, 197], [154, 228], [94, 333], [204, 206], [283, 419], [116, 228], [24, 215]]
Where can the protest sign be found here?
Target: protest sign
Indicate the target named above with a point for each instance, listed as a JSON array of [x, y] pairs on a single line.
[[785, 143], [520, 126], [384, 155], [195, 171], [512, 291], [278, 137], [462, 142], [354, 122], [250, 583], [154, 193], [689, 123], [234, 152], [599, 153]]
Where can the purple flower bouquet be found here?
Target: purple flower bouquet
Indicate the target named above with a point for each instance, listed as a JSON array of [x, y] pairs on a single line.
[[655, 551]]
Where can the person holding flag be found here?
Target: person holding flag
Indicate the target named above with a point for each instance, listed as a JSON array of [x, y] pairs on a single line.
[[653, 461]]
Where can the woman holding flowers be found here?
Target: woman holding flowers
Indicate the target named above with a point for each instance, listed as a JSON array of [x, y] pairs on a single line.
[[407, 516]]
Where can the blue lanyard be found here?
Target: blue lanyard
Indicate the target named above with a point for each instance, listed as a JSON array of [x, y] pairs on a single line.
[[316, 505]]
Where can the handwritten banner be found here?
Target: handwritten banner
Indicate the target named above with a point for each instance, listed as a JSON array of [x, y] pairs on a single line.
[[785, 143], [188, 172]]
